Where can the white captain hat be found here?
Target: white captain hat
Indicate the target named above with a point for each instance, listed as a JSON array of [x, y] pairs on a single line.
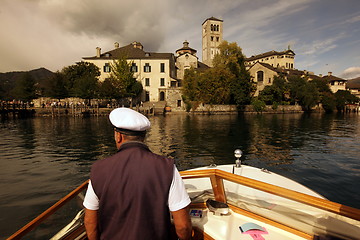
[[129, 121]]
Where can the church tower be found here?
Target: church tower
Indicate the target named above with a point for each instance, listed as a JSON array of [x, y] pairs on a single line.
[[212, 36]]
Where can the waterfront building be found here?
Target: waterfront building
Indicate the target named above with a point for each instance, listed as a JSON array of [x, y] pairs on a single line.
[[212, 36], [156, 71], [335, 83]]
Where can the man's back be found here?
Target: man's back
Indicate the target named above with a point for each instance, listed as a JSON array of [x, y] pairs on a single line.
[[133, 188]]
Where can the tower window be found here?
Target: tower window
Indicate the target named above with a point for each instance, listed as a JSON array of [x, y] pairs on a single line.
[[212, 38]]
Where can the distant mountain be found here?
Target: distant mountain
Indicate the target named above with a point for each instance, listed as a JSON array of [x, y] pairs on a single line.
[[353, 83], [39, 75], [8, 80]]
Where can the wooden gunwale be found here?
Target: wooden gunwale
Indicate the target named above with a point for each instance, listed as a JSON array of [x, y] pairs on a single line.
[[31, 225], [323, 204]]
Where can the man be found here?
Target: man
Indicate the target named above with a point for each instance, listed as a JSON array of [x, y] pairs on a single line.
[[130, 193]]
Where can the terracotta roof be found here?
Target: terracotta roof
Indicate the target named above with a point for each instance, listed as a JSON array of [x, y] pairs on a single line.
[[288, 72], [130, 52], [331, 78], [212, 18], [268, 54]]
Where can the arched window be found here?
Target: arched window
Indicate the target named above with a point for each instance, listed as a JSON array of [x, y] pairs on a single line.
[[212, 27], [260, 76]]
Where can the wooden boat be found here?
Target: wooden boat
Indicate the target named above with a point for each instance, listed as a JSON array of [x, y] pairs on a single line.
[[229, 202]]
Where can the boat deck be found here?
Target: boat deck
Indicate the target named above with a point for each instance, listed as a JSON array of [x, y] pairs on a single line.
[[228, 227]]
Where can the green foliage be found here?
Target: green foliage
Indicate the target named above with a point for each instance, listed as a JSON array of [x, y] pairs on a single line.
[[190, 88], [81, 79], [123, 79], [226, 83], [275, 93], [258, 104], [344, 97], [328, 102], [214, 85], [232, 58], [25, 89], [56, 87]]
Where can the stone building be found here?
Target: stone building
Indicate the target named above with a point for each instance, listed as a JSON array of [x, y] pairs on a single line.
[[212, 36]]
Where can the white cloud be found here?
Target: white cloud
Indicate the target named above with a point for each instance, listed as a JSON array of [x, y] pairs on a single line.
[[351, 72]]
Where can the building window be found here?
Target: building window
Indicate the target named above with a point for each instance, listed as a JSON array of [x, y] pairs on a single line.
[[217, 39], [147, 67], [147, 82], [260, 76], [212, 38], [162, 67], [107, 67], [134, 68], [179, 103], [162, 96], [147, 96], [162, 82]]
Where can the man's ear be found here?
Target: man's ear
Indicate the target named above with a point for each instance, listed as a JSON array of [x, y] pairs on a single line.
[[118, 137]]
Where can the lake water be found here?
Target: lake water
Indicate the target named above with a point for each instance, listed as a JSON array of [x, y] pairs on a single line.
[[42, 159]]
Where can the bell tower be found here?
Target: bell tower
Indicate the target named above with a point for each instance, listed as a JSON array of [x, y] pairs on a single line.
[[212, 36]]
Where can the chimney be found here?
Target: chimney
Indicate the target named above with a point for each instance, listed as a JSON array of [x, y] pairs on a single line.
[[116, 44], [98, 52], [329, 73]]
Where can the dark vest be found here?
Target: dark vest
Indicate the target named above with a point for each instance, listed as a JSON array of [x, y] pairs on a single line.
[[133, 188]]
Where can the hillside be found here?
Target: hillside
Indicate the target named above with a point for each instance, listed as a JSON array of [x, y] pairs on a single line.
[[353, 83], [39, 75]]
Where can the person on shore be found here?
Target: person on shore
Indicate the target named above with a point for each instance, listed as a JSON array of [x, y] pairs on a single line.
[[132, 193]]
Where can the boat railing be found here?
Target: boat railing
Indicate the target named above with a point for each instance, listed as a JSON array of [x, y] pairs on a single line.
[[299, 213], [21, 233]]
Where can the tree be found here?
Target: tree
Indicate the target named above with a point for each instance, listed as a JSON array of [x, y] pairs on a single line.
[[344, 97], [275, 93], [25, 88], [215, 86], [232, 58], [81, 79], [328, 102], [56, 87], [123, 81]]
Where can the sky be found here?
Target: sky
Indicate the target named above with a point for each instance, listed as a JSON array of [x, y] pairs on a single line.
[[324, 34]]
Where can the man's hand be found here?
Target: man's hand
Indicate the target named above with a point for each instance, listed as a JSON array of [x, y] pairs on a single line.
[[182, 223]]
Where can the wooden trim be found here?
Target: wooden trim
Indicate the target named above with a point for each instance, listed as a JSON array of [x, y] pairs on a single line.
[[323, 204], [218, 187], [271, 222], [39, 219]]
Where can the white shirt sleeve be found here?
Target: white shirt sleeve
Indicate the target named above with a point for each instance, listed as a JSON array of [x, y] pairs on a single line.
[[91, 201], [178, 197]]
